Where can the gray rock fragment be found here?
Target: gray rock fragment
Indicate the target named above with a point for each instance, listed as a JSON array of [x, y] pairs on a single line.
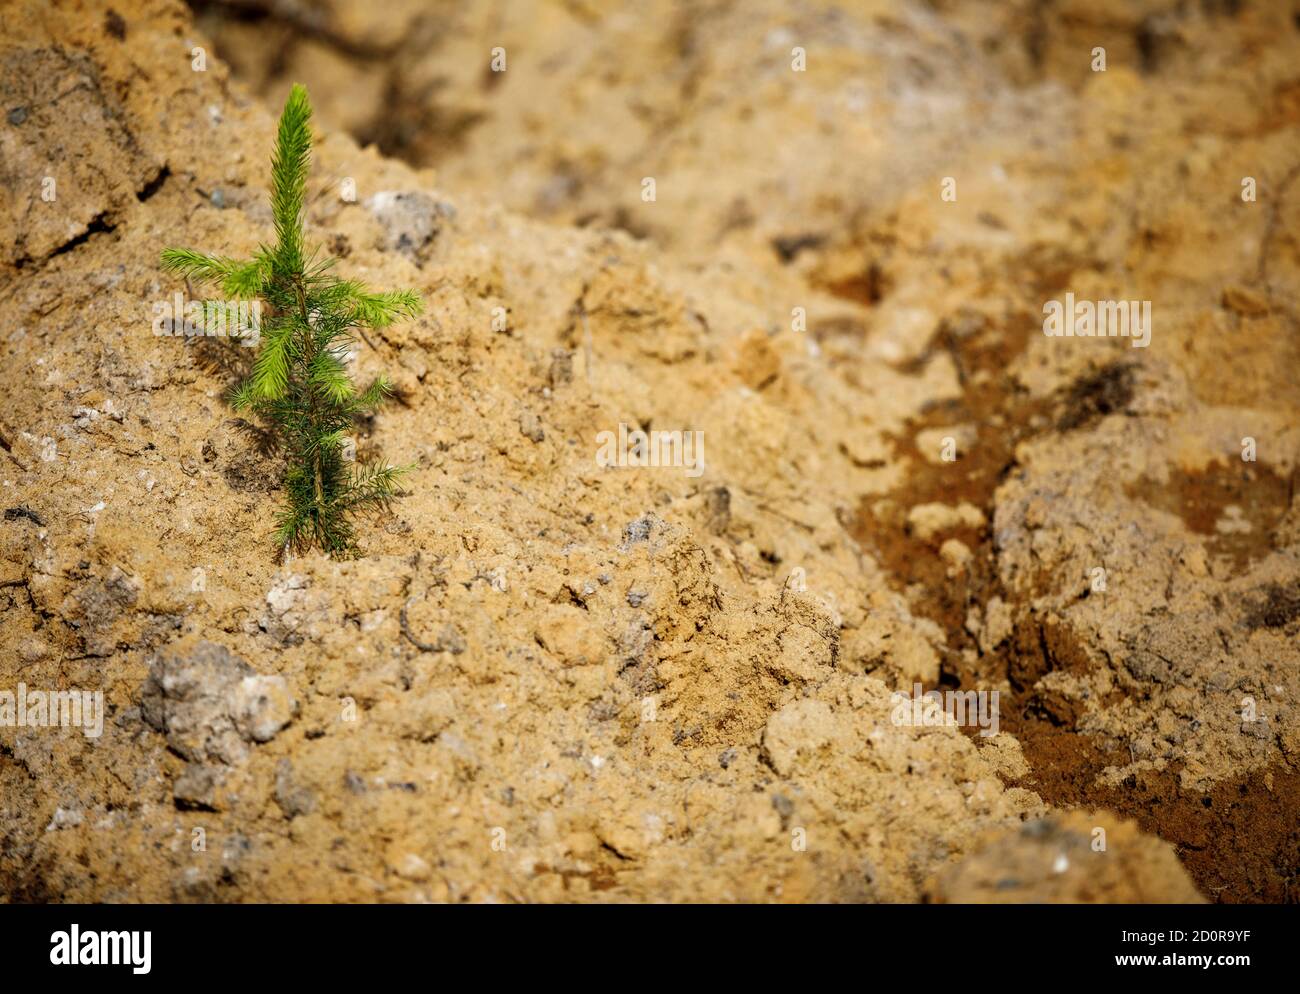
[[293, 798], [197, 786], [410, 219], [210, 704]]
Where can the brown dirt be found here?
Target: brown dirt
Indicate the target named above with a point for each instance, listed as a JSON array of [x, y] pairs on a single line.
[[1239, 841], [1237, 507]]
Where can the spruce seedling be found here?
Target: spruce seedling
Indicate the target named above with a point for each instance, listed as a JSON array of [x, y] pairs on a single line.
[[299, 384]]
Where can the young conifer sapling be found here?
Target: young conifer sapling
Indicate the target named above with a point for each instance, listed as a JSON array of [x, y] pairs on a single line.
[[300, 385]]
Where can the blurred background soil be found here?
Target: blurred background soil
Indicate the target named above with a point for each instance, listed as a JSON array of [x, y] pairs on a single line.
[[546, 680]]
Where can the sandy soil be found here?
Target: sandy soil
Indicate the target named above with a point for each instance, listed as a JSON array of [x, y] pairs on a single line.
[[546, 680]]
